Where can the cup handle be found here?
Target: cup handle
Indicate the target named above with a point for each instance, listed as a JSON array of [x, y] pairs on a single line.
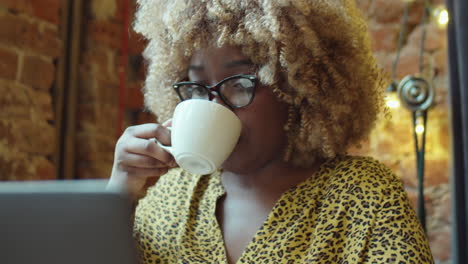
[[166, 148]]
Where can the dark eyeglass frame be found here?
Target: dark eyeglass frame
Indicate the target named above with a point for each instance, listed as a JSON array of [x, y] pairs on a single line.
[[215, 88]]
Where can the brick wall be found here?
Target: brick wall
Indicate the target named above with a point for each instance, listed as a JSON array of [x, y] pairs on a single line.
[[392, 140], [98, 101], [29, 48]]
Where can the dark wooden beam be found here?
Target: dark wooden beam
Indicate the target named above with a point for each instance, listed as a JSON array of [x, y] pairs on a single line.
[[69, 168], [60, 85]]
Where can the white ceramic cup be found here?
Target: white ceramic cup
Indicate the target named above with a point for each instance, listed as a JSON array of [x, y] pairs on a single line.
[[203, 135]]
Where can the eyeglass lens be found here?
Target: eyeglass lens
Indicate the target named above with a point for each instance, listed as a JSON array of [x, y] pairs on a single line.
[[237, 92]]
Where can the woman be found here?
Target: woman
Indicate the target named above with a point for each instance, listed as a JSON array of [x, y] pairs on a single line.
[[288, 193]]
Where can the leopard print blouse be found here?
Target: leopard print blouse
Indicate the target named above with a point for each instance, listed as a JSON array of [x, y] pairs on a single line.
[[354, 210]]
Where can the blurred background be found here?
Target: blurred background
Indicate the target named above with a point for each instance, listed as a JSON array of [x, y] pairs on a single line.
[[71, 75]]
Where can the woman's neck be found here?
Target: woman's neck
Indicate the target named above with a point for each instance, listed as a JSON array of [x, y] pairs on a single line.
[[270, 180]]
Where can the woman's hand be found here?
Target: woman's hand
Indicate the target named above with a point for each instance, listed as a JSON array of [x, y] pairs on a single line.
[[139, 158]]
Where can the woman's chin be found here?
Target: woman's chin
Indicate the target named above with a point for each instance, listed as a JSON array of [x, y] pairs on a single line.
[[238, 157]]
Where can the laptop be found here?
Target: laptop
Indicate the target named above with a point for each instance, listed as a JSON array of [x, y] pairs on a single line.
[[65, 222]]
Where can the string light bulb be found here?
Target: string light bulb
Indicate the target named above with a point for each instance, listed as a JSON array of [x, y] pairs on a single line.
[[441, 16], [391, 96], [419, 128], [391, 100]]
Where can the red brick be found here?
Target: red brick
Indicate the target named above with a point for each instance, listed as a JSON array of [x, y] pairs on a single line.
[[44, 169], [440, 243], [385, 11], [384, 37], [134, 97], [17, 169], [438, 2], [29, 37], [441, 62], [11, 26], [437, 132], [94, 146], [34, 137], [121, 9], [397, 129], [106, 33], [440, 84], [84, 169], [386, 146], [142, 72], [7, 167], [86, 147], [104, 10], [436, 172], [145, 117], [15, 101], [23, 34], [42, 103], [384, 59], [431, 197], [408, 172], [107, 119], [409, 61], [101, 60], [413, 197], [137, 43], [108, 92], [6, 133], [86, 114], [47, 10], [105, 146], [362, 150], [444, 135], [96, 59], [445, 208], [98, 117], [392, 11], [22, 6], [103, 169], [87, 86], [435, 37], [119, 12], [38, 73], [50, 44], [415, 13], [46, 43], [8, 64], [94, 170]]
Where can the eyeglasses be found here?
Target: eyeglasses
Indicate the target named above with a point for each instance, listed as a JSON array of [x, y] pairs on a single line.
[[236, 91]]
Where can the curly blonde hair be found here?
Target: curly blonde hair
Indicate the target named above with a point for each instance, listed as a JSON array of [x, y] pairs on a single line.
[[320, 49]]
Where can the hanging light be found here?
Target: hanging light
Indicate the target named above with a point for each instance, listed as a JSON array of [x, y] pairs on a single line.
[[416, 93]]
